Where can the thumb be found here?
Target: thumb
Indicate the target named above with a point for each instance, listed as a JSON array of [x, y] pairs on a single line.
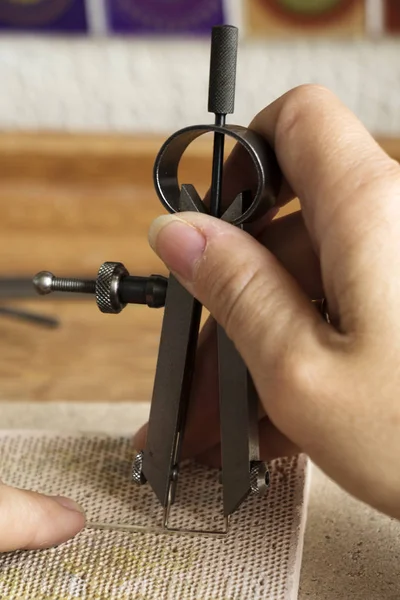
[[29, 521], [272, 323]]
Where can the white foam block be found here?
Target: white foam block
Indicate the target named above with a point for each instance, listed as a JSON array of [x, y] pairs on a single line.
[[259, 559]]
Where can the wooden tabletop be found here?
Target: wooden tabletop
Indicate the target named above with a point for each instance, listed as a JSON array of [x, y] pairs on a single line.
[[68, 203]]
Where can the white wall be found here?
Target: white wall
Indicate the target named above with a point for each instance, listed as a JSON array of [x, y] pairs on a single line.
[[160, 86]]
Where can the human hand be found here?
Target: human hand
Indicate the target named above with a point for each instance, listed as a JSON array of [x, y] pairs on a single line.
[[31, 521], [287, 238], [330, 390]]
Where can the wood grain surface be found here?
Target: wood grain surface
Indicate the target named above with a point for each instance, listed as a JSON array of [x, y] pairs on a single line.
[[68, 203]]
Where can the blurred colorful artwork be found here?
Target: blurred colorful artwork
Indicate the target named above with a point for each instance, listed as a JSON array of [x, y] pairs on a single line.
[[44, 15], [392, 16], [262, 18], [165, 16], [280, 18]]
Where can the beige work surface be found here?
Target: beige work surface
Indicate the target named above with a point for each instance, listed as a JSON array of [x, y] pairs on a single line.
[[350, 553]]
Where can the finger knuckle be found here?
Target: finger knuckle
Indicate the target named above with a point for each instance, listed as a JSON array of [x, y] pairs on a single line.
[[388, 174], [299, 105], [233, 293], [297, 372], [241, 305]]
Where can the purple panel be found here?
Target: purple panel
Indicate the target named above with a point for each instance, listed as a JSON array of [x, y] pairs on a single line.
[[68, 16], [164, 16]]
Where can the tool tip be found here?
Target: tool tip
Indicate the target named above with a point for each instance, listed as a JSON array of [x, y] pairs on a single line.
[[43, 282]]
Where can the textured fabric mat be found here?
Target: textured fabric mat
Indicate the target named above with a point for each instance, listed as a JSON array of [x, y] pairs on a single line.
[[258, 560]]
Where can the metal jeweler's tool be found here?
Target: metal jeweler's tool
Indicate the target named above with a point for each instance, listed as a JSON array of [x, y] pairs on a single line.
[[243, 472]]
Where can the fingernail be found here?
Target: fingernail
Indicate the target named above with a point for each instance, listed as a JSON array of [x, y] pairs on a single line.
[[68, 504], [178, 243]]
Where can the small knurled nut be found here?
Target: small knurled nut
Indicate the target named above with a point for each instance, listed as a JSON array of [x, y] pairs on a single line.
[[107, 284], [137, 473], [259, 478]]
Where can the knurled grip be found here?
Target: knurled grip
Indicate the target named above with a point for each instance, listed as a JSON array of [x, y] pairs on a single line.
[[107, 285], [224, 47], [137, 469], [259, 478]]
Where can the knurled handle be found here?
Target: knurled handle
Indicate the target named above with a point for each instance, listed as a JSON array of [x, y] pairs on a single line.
[[224, 46]]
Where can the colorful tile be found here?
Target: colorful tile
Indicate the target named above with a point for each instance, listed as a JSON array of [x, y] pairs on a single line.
[[68, 16], [279, 18], [392, 16], [164, 16]]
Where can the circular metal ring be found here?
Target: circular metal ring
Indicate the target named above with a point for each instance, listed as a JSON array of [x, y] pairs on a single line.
[[262, 158]]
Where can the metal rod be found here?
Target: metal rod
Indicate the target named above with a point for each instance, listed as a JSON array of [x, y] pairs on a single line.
[[217, 168], [45, 283]]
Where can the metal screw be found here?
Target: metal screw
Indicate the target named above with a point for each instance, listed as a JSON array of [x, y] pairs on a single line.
[[113, 288], [45, 283], [105, 287]]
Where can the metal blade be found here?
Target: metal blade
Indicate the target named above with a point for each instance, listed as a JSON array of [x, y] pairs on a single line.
[[252, 405], [171, 388], [190, 199], [238, 407], [235, 209], [239, 423], [174, 372]]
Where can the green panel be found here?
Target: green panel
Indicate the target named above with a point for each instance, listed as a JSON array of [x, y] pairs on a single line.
[[309, 7]]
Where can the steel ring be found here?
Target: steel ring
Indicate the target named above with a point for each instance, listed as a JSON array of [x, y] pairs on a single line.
[[263, 160]]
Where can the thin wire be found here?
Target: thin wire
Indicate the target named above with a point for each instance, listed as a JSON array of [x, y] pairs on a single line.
[[160, 530], [193, 532]]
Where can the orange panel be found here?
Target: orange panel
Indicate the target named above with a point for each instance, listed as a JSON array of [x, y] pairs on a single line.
[[279, 18]]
